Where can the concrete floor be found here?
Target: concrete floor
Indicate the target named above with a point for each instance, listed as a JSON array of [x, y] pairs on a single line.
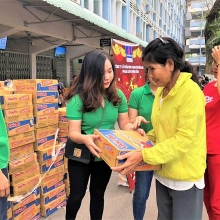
[[118, 204]]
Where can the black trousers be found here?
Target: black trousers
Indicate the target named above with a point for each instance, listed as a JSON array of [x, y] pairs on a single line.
[[79, 173]]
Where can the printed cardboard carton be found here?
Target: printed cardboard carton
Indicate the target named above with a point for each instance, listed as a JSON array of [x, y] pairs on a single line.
[[38, 84], [24, 174], [32, 197], [52, 195], [17, 152], [53, 206], [46, 131], [51, 185], [31, 212], [25, 186], [19, 127], [119, 142], [20, 163], [44, 167], [46, 154], [45, 108], [44, 143], [15, 101], [45, 120], [21, 139]]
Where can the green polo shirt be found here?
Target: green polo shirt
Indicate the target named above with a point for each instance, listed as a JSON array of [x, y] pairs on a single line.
[[4, 145], [142, 100], [91, 120]]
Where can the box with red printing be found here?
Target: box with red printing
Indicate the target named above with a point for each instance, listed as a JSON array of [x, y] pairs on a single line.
[[17, 152], [15, 101], [19, 127], [52, 174], [26, 173], [50, 164], [46, 131], [21, 139], [25, 186], [38, 84], [52, 195], [51, 185], [53, 206], [20, 163], [45, 108], [45, 120], [46, 154], [30, 198], [119, 142]]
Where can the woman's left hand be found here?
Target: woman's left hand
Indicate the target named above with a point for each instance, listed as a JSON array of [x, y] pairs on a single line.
[[132, 161]]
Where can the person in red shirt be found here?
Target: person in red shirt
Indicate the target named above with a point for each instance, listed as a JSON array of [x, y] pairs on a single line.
[[212, 174]]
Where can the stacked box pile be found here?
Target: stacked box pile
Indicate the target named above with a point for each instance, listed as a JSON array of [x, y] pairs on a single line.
[[63, 135], [45, 108], [9, 211], [24, 172], [63, 125]]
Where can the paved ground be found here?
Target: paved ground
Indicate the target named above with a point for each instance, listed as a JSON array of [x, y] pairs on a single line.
[[118, 204]]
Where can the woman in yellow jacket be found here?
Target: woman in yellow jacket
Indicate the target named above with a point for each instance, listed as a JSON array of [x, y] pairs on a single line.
[[178, 119]]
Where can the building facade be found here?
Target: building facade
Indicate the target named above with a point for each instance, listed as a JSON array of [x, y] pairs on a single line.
[[195, 48], [145, 19]]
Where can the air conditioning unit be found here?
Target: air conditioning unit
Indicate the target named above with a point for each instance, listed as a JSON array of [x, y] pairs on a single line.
[[76, 1]]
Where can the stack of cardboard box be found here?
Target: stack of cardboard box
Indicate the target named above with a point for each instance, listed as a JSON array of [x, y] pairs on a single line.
[[24, 170], [45, 108], [63, 125]]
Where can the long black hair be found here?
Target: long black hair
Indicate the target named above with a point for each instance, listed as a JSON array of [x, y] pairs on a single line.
[[89, 84], [161, 49]]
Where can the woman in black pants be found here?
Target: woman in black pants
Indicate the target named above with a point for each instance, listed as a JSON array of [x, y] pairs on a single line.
[[93, 102]]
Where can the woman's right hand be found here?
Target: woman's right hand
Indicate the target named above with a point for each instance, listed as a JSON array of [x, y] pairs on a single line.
[[138, 120], [89, 142]]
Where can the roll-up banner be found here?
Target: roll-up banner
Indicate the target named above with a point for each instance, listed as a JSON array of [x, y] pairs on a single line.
[[129, 68]]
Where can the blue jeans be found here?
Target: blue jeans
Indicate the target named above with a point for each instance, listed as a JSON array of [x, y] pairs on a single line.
[[141, 193], [3, 201]]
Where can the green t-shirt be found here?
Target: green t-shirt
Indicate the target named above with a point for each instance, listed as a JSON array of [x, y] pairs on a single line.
[[4, 145], [142, 100], [90, 120]]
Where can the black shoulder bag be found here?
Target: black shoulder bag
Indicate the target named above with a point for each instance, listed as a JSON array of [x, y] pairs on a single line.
[[79, 152]]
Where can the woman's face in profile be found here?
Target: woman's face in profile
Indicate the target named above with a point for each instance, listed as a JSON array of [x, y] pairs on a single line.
[[157, 73], [214, 68], [109, 74]]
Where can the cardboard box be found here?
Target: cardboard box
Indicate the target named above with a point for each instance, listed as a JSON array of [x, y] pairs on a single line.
[[119, 142], [15, 101], [17, 152], [53, 206], [21, 139], [9, 215], [45, 120], [48, 164], [63, 139], [45, 108], [44, 143], [39, 84], [32, 197], [24, 174], [25, 186], [52, 174], [18, 114], [52, 195], [46, 131], [32, 212], [51, 185], [22, 162], [19, 127], [46, 154]]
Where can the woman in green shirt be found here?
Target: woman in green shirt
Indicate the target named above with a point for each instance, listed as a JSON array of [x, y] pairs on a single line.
[[4, 156], [93, 102]]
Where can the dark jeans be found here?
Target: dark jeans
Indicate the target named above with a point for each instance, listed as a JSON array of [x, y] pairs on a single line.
[[3, 201], [141, 193], [79, 173]]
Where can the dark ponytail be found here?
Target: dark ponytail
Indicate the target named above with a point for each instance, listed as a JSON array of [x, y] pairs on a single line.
[[189, 68]]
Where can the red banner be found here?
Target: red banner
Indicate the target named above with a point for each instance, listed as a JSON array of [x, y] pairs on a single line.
[[129, 68]]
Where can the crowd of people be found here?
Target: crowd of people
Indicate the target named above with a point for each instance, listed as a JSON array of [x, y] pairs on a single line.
[[177, 110]]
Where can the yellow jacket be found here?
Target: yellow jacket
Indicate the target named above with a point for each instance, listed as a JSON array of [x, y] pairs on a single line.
[[179, 132]]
